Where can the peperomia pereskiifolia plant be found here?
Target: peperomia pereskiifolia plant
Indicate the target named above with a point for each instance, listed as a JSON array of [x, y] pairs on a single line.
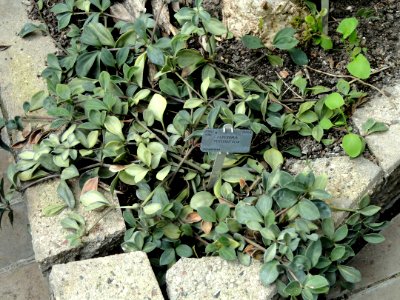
[[131, 107]]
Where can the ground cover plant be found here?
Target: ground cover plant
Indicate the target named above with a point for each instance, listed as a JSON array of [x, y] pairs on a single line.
[[129, 106]]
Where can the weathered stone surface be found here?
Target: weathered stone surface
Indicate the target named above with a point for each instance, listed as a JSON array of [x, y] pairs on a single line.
[[123, 276], [20, 64], [243, 17], [215, 278], [386, 290], [15, 240], [348, 179], [383, 145], [24, 283], [379, 262], [48, 237]]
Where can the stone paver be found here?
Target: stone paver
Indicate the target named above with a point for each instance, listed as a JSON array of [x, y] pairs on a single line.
[[387, 290], [384, 109], [123, 276], [379, 262], [214, 278], [243, 17], [15, 241], [348, 179], [48, 237], [24, 283], [23, 62]]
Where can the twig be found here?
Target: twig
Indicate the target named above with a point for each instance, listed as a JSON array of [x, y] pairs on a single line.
[[231, 99], [259, 247], [110, 209], [288, 86], [28, 185], [189, 163], [188, 152], [255, 62], [189, 86], [156, 24]]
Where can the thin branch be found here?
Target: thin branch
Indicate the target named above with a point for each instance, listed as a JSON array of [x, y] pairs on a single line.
[[231, 99], [30, 184], [259, 247], [156, 24], [189, 163]]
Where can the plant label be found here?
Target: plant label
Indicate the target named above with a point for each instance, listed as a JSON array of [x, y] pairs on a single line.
[[228, 141]]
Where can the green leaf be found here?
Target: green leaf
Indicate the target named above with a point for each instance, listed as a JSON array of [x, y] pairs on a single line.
[[347, 26], [227, 253], [298, 56], [96, 34], [285, 39], [155, 55], [236, 174], [114, 125], [172, 231], [328, 227], [184, 250], [334, 100], [360, 67], [314, 251], [308, 210], [140, 63], [214, 26], [353, 145], [349, 274], [94, 200], [169, 87], [269, 272], [66, 194], [246, 213], [137, 172], [201, 199], [370, 210], [207, 214], [30, 28], [53, 209], [69, 172], [152, 208], [270, 253], [37, 100], [374, 238], [371, 126], [163, 173], [188, 57], [340, 233], [316, 282], [293, 289], [85, 63], [317, 133], [63, 91], [274, 158], [157, 106], [236, 87], [252, 42], [167, 257], [337, 253]]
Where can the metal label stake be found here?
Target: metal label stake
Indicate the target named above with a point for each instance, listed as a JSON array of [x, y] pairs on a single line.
[[223, 142]]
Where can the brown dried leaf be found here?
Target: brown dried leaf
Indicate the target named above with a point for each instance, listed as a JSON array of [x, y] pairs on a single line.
[[224, 201], [193, 217], [206, 226], [284, 74], [36, 136], [242, 183], [90, 185], [19, 145], [4, 47], [27, 130], [250, 249]]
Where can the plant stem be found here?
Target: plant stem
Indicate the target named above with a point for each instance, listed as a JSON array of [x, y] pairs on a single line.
[[28, 185], [231, 99], [189, 86], [259, 247], [189, 163], [109, 209], [153, 33], [343, 209]]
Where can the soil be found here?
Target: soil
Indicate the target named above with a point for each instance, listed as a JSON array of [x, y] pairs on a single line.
[[379, 32]]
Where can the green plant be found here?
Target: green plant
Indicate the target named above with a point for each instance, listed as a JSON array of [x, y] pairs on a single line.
[[130, 107]]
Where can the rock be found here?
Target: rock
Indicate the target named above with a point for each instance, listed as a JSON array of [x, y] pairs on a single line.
[[123, 276], [245, 16], [348, 179], [49, 238], [216, 278]]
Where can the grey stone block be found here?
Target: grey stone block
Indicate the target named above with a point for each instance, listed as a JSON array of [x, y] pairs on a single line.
[[384, 109], [23, 283], [348, 179], [123, 276], [215, 278], [15, 240], [48, 237], [387, 290], [379, 262]]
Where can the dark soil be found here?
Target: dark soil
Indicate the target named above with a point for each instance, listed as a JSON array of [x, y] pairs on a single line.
[[379, 33]]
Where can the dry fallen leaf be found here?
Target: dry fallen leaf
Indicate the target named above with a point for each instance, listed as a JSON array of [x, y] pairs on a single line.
[[192, 218], [206, 227], [117, 168], [284, 74], [90, 185]]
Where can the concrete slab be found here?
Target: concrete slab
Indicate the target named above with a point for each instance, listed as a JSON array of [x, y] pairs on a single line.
[[22, 63], [387, 290], [16, 243], [24, 283], [348, 179], [48, 237], [215, 278], [379, 262], [383, 109], [123, 276]]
